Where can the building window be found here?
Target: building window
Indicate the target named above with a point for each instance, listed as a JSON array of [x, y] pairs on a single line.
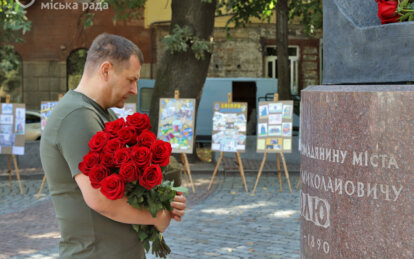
[[271, 66]]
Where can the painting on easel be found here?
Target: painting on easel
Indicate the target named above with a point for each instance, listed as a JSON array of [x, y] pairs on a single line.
[[176, 123], [274, 127], [229, 127], [12, 128], [46, 108]]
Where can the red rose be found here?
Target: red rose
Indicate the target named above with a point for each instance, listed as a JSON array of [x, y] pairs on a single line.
[[151, 177], [146, 138], [108, 160], [98, 141], [141, 156], [89, 161], [122, 156], [112, 146], [387, 11], [140, 121], [97, 174], [129, 172], [127, 135], [113, 187], [113, 127], [161, 152]]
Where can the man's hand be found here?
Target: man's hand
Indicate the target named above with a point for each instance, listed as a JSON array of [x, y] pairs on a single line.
[[163, 220], [179, 204]]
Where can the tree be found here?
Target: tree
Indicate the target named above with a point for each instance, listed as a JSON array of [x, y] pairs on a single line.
[[185, 63], [282, 45]]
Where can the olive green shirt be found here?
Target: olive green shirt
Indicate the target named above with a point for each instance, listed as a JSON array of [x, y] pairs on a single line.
[[84, 232]]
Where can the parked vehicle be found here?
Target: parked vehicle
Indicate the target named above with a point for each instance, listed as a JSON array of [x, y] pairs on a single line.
[[33, 131]]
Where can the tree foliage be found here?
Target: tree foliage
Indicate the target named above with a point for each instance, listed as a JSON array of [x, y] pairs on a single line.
[[183, 39], [243, 10], [308, 13], [14, 22], [124, 10], [10, 73]]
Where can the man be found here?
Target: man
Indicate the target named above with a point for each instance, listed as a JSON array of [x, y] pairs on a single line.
[[91, 225]]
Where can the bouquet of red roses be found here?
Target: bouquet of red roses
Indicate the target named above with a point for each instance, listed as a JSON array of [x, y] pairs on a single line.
[[391, 11], [126, 159]]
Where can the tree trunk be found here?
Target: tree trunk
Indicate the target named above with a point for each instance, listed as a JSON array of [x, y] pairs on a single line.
[[282, 44], [181, 70]]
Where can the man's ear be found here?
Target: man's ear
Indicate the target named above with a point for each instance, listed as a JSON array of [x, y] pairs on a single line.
[[104, 70]]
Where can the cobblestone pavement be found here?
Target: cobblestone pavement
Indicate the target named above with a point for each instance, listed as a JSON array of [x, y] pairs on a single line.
[[226, 222]]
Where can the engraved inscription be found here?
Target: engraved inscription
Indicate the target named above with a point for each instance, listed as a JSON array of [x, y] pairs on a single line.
[[355, 158], [357, 189], [314, 209], [314, 242]]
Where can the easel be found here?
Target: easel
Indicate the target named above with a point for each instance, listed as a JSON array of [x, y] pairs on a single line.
[[14, 162], [275, 98], [184, 159], [44, 176], [239, 161]]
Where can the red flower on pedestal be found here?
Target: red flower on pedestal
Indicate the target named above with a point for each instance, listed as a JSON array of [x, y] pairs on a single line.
[[387, 11]]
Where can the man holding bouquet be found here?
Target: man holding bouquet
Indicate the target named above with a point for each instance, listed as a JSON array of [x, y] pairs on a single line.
[[91, 225]]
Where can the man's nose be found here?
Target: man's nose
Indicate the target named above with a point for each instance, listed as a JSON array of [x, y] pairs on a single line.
[[134, 89]]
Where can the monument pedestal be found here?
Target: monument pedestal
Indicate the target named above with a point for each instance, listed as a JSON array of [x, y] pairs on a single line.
[[357, 161]]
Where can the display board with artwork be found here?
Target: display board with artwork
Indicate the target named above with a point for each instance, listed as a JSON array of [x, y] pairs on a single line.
[[128, 109], [229, 126], [46, 108], [12, 128], [274, 127], [176, 123]]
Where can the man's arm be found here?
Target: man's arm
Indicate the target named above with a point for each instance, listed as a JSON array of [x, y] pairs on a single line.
[[119, 210]]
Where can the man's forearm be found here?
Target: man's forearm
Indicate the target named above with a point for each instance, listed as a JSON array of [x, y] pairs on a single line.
[[117, 210]]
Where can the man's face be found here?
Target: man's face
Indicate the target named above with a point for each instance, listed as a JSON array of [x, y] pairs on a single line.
[[124, 82]]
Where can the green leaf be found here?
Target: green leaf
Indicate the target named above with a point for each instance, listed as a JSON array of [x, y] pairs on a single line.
[[404, 17], [136, 228], [180, 189], [403, 3], [153, 207], [142, 235], [133, 201], [146, 246]]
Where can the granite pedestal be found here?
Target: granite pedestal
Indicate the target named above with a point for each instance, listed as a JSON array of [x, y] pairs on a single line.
[[357, 161]]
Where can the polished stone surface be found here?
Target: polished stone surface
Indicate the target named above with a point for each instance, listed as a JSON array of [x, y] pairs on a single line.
[[358, 49], [357, 166]]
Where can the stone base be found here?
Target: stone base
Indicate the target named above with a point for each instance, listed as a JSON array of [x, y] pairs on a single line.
[[357, 166]]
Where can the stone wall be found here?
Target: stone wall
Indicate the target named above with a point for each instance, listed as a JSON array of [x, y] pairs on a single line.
[[239, 56], [310, 66], [243, 54]]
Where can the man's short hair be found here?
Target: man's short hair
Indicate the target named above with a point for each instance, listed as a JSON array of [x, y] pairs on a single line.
[[113, 48]]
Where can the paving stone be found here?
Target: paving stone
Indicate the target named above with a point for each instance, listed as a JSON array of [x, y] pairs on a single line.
[[225, 222]]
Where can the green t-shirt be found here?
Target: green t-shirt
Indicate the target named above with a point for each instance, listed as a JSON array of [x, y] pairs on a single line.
[[84, 232]]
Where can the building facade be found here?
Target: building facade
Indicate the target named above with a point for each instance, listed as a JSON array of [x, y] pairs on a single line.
[[56, 33]]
